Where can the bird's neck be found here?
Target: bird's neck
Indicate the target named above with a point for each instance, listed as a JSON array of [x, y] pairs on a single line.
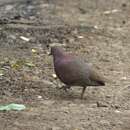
[[59, 53]]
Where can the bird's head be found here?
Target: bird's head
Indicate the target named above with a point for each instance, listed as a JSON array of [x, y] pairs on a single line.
[[56, 51]]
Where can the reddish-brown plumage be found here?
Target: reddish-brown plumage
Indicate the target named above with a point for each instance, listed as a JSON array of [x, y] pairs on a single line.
[[73, 71]]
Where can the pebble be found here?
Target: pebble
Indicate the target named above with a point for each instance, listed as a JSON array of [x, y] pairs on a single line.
[[93, 105], [47, 82], [108, 96], [117, 111], [39, 97], [54, 76], [12, 37], [34, 50], [111, 11], [80, 37], [102, 104], [123, 78], [124, 5], [8, 7], [25, 38], [96, 27]]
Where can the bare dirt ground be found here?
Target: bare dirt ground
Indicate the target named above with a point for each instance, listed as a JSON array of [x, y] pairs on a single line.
[[98, 31]]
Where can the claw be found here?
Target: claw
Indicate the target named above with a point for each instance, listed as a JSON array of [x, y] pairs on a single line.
[[65, 88]]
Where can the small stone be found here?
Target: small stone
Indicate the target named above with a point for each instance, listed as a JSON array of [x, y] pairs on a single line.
[[108, 96], [39, 97], [34, 50], [46, 82], [102, 104], [8, 7], [48, 53], [94, 105], [54, 76], [117, 111], [111, 11], [65, 109], [123, 78], [107, 12], [1, 74], [117, 106], [128, 87], [123, 22], [80, 37], [25, 38], [124, 5], [96, 27], [115, 10]]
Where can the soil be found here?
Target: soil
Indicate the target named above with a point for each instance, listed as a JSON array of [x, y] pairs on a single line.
[[98, 31]]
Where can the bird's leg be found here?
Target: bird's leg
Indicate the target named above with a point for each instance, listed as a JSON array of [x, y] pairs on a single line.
[[65, 87], [83, 90]]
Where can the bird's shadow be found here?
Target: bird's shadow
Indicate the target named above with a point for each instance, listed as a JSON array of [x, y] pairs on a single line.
[[70, 95], [54, 93]]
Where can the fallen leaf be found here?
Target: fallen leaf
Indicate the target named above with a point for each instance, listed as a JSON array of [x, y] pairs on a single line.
[[30, 64], [12, 106], [17, 64]]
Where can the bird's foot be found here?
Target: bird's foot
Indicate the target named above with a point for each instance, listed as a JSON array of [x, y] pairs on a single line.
[[65, 87]]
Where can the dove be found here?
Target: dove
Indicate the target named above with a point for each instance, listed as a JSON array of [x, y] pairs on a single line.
[[74, 71]]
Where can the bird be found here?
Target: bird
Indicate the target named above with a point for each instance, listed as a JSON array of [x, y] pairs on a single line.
[[74, 71]]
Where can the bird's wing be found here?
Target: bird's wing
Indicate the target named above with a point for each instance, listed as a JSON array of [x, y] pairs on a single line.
[[71, 71]]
